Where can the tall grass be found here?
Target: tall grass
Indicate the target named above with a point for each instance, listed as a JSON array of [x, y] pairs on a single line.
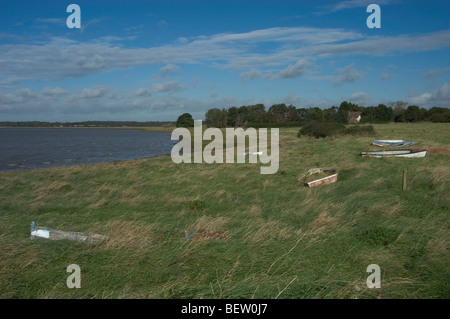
[[280, 238]]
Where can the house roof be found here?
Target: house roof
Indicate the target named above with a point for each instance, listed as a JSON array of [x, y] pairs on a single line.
[[354, 114]]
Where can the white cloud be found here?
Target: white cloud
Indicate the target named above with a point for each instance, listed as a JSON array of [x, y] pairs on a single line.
[[294, 35], [435, 73], [350, 4], [250, 75], [383, 45], [96, 91], [100, 102], [143, 92], [346, 74], [167, 87], [361, 98], [84, 25], [440, 97], [61, 58], [293, 71], [289, 72], [20, 96], [169, 69], [57, 91], [422, 99], [162, 24], [59, 21], [293, 99]]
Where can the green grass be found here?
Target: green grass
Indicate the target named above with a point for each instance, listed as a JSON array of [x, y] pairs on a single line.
[[281, 239]]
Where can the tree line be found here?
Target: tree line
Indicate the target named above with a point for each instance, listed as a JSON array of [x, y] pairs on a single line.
[[283, 115]]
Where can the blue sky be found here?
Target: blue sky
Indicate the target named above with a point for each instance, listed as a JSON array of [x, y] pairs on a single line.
[[154, 60]]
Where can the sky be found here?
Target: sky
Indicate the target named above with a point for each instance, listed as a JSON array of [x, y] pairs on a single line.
[[154, 60]]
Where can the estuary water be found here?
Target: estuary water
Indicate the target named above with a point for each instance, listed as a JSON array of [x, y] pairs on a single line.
[[28, 148]]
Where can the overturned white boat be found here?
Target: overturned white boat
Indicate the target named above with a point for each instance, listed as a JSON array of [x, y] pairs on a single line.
[[395, 153], [392, 143]]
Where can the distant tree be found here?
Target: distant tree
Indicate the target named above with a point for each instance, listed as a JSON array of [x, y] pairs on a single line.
[[414, 114], [242, 115], [301, 113], [292, 115], [256, 113], [440, 117], [398, 110], [216, 118], [383, 113], [185, 120], [344, 108], [438, 114], [311, 113], [349, 107], [342, 117], [232, 116], [319, 115], [278, 113], [330, 114], [368, 114]]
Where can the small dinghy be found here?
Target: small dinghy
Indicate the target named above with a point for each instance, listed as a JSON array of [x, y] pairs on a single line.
[[395, 153], [392, 143]]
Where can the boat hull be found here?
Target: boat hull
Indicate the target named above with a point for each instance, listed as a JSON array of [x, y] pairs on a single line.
[[332, 178], [396, 153], [323, 181], [392, 143]]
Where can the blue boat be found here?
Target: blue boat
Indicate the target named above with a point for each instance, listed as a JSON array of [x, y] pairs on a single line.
[[392, 143]]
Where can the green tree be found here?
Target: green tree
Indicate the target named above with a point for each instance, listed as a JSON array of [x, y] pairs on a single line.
[[398, 110], [242, 116], [301, 113], [256, 113], [216, 118], [344, 108], [414, 114], [185, 120], [311, 113], [369, 114], [438, 114], [292, 115], [232, 116], [330, 114], [383, 113], [320, 115], [278, 113]]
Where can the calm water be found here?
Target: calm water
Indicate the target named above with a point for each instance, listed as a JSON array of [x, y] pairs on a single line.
[[40, 147]]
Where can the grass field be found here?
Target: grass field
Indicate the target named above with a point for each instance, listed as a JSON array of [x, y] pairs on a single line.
[[278, 238]]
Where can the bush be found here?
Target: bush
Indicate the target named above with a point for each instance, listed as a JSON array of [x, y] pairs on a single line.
[[366, 130], [443, 117], [275, 125], [321, 129], [324, 129]]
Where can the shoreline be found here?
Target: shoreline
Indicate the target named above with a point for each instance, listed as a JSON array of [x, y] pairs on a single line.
[[115, 162], [140, 128]]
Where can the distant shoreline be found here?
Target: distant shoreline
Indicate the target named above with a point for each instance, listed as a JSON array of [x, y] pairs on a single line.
[[143, 128]]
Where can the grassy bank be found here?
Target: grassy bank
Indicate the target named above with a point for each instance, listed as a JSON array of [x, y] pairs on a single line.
[[258, 236]]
